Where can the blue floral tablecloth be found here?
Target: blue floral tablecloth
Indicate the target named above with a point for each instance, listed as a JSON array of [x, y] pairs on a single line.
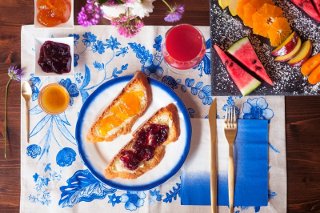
[[53, 176]]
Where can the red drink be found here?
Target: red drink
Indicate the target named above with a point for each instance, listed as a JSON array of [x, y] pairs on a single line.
[[184, 47]]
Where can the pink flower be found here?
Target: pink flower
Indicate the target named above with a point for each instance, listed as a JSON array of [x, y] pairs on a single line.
[[90, 14], [127, 26]]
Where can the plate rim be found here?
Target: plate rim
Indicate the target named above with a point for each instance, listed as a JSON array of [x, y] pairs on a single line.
[[182, 108]]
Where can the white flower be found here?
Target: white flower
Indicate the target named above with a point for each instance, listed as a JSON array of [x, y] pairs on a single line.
[[141, 8], [114, 11]]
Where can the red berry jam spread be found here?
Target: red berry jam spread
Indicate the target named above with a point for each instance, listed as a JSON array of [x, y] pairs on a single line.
[[144, 146], [55, 57]]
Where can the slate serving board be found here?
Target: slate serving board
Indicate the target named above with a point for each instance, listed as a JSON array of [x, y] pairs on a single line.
[[288, 81]]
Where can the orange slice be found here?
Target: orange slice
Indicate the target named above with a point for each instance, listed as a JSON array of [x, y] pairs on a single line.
[[279, 31], [249, 8], [240, 7], [247, 16], [259, 3], [264, 18]]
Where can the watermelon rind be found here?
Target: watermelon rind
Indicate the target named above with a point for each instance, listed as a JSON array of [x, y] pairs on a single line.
[[236, 46], [252, 85]]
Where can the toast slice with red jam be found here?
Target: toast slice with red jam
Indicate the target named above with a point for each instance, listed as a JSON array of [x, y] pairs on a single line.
[[147, 148]]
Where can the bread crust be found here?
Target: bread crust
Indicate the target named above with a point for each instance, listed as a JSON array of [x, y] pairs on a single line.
[[138, 78], [174, 132]]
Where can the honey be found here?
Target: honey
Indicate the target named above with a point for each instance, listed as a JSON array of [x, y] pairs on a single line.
[[54, 99], [129, 104]]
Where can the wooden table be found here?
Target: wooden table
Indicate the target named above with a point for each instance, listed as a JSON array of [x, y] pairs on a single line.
[[302, 113]]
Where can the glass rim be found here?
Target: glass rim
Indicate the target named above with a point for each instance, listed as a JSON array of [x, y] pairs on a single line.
[[41, 94]]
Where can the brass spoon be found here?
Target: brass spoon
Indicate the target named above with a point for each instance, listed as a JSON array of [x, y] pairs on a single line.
[[26, 92]]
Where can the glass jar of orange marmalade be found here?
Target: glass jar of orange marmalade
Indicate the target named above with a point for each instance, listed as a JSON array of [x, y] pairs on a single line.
[[53, 12]]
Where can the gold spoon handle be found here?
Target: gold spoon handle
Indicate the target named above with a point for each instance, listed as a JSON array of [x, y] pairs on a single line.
[[28, 119]]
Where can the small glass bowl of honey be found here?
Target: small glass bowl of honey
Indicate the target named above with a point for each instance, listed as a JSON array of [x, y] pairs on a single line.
[[54, 99]]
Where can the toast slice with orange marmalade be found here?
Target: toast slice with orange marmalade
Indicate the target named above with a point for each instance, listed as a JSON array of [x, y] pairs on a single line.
[[147, 147], [119, 117]]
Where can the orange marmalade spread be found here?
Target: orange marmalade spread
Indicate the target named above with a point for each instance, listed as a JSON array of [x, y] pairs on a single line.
[[53, 12], [128, 105]]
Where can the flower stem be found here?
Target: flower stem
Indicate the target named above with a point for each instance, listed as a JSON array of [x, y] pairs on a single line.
[[166, 3], [5, 118]]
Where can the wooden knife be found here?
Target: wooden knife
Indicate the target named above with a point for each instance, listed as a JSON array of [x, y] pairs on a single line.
[[213, 165]]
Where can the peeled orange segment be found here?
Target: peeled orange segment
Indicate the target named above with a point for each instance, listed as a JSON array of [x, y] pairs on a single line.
[[264, 18], [247, 16], [249, 9], [259, 3], [240, 7], [279, 31]]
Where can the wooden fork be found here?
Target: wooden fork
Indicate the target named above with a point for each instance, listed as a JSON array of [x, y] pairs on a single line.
[[230, 130]]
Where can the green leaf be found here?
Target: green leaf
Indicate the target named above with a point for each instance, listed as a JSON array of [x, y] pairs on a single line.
[[102, 1]]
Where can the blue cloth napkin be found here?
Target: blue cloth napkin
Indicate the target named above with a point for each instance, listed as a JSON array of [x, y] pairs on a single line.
[[251, 159]]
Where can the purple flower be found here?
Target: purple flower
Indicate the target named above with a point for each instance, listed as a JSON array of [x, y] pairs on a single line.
[[127, 26], [15, 73], [90, 14], [175, 13]]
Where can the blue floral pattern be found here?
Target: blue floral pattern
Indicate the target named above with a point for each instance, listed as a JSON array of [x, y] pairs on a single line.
[[114, 199], [173, 194], [71, 88], [203, 92], [150, 64], [35, 84], [88, 39], [42, 183], [133, 200], [257, 108], [66, 157], [33, 150], [83, 186], [155, 194]]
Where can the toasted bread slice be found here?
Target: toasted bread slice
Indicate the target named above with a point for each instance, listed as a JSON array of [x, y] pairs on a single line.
[[165, 116], [119, 117]]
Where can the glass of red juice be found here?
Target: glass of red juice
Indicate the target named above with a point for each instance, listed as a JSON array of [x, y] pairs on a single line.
[[184, 47]]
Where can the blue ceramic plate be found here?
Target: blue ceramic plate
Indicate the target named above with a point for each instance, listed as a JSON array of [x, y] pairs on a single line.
[[97, 156]]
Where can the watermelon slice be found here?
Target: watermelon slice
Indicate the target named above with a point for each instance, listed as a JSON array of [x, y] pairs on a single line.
[[317, 5], [244, 52], [308, 8], [244, 81]]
